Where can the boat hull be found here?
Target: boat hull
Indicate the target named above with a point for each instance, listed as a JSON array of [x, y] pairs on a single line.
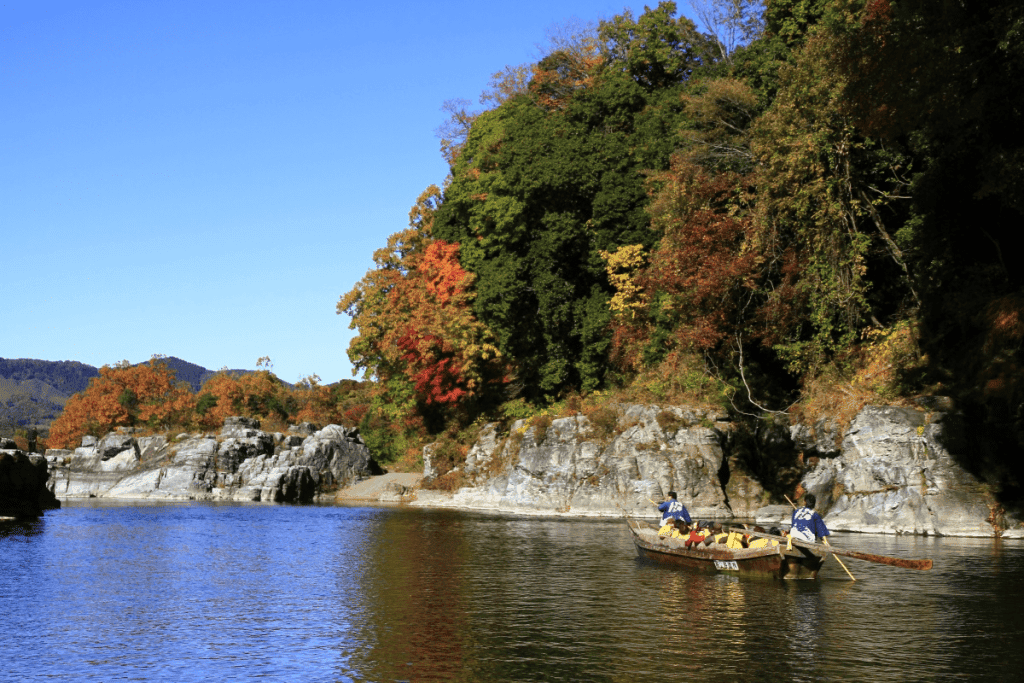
[[771, 563]]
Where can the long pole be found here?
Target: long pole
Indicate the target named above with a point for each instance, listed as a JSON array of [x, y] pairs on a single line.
[[903, 563], [825, 541]]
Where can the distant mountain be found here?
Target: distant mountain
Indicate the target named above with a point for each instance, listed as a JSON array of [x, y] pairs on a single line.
[[195, 375], [33, 392], [66, 377]]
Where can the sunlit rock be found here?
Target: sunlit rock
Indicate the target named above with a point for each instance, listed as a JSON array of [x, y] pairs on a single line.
[[241, 463], [897, 473]]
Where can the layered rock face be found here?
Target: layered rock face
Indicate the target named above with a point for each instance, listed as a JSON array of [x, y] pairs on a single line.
[[241, 463], [895, 473], [23, 483], [573, 468], [892, 471]]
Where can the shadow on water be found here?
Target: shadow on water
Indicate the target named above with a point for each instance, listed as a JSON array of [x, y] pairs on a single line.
[[15, 528]]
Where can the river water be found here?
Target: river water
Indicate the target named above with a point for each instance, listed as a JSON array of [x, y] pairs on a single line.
[[200, 592]]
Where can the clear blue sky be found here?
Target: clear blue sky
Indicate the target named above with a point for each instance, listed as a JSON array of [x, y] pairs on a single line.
[[206, 179]]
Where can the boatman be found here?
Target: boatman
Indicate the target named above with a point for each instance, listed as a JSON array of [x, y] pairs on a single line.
[[808, 524], [672, 509]]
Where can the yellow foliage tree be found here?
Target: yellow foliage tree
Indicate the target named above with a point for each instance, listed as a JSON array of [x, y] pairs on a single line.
[[621, 266]]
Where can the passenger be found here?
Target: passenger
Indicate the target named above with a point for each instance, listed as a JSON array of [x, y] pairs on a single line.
[[757, 542], [672, 509], [736, 539], [718, 535], [700, 532], [675, 529]]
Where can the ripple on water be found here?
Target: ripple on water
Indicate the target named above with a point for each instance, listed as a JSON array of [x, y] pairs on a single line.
[[238, 592]]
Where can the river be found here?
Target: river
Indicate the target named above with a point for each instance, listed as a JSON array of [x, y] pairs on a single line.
[[205, 592]]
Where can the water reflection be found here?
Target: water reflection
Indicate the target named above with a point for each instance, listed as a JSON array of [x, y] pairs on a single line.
[[232, 593], [413, 580]]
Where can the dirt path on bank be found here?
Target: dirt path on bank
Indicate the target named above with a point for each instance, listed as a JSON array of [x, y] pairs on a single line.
[[375, 487]]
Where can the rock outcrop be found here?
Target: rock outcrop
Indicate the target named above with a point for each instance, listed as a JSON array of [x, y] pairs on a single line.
[[240, 463], [892, 471], [569, 466], [23, 483], [896, 474]]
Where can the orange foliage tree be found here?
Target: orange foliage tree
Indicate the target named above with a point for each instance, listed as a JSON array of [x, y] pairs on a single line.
[[418, 338], [258, 394], [343, 403], [123, 396], [415, 319], [443, 345]]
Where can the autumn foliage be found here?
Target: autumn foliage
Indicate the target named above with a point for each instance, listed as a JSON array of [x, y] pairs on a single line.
[[148, 397], [123, 396], [416, 321], [688, 296]]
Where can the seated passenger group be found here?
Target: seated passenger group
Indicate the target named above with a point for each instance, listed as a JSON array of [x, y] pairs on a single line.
[[676, 523], [709, 533]]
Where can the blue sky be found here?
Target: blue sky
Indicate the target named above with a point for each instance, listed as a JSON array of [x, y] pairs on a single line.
[[206, 179]]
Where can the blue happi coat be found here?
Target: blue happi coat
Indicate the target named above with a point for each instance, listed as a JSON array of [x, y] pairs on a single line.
[[671, 510], [808, 525]]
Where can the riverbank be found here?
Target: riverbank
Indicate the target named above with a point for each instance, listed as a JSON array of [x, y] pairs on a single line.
[[893, 470], [241, 463]]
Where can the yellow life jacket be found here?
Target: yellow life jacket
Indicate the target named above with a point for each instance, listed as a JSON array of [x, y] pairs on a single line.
[[670, 531], [735, 540]]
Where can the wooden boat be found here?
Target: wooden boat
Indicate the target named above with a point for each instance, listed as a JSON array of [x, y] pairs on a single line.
[[773, 563], [802, 561]]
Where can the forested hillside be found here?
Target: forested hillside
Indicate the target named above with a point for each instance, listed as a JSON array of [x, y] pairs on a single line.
[[33, 392], [807, 209], [67, 377]]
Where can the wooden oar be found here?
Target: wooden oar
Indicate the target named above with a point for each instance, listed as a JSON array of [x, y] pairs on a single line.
[[852, 578], [922, 565]]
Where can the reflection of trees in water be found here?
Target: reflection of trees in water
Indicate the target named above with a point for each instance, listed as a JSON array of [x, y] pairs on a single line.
[[447, 595], [414, 588]]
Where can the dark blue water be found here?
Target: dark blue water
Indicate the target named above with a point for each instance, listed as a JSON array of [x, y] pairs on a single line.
[[246, 592]]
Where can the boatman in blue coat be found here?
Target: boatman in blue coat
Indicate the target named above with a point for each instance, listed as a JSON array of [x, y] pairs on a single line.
[[672, 509], [808, 524]]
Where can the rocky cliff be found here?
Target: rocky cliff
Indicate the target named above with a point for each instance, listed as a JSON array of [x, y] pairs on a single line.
[[239, 463], [23, 483], [570, 466], [896, 473], [894, 470]]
